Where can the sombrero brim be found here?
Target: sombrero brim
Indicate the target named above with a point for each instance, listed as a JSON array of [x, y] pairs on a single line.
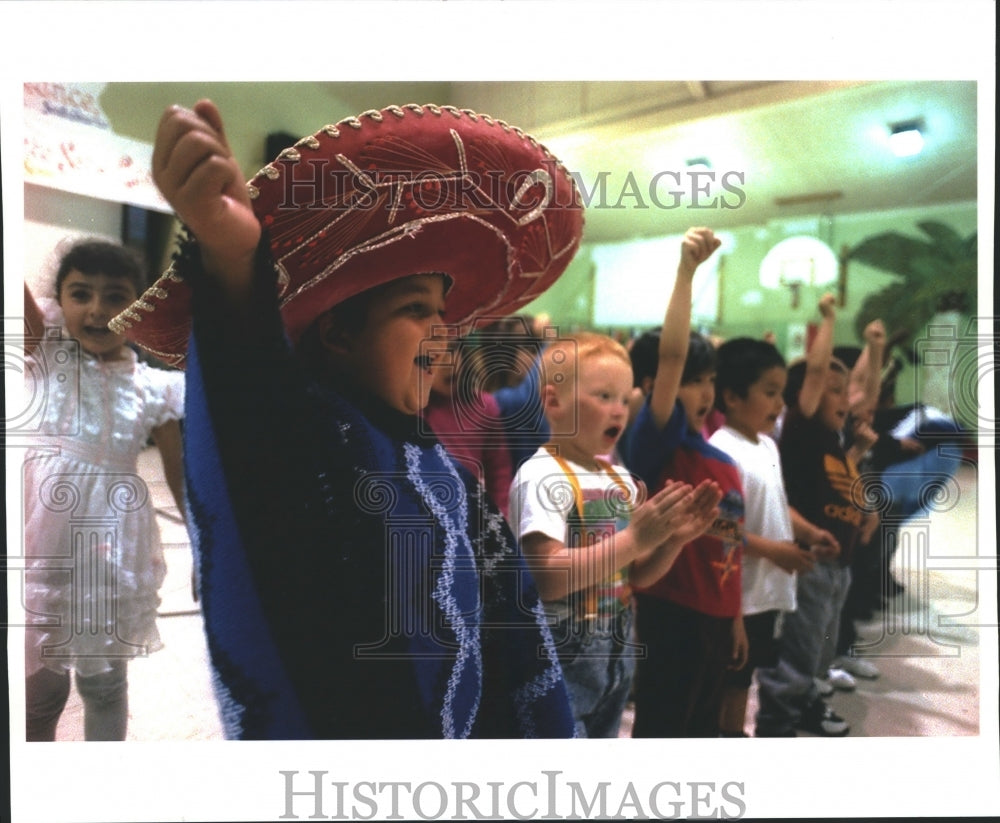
[[395, 192]]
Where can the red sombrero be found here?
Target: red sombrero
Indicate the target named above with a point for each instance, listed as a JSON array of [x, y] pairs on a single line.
[[390, 193]]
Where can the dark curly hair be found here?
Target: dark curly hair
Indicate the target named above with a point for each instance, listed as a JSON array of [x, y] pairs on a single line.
[[101, 257]]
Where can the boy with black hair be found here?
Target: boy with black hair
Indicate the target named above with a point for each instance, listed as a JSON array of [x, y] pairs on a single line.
[[644, 354], [356, 582], [750, 377], [586, 530], [689, 619], [822, 482]]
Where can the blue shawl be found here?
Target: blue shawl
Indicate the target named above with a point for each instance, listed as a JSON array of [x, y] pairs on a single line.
[[355, 582]]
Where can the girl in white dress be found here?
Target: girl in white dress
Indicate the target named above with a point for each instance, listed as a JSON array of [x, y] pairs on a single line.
[[94, 557]]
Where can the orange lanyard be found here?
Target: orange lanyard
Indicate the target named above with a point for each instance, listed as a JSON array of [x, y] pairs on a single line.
[[604, 465], [587, 605]]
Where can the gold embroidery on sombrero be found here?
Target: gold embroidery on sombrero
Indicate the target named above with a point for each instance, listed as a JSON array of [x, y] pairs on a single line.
[[387, 178], [146, 302], [339, 233]]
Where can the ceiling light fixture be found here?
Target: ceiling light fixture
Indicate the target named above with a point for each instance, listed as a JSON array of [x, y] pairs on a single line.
[[905, 139]]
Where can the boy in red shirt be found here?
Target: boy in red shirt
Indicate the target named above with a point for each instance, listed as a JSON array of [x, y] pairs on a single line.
[[689, 619], [585, 530]]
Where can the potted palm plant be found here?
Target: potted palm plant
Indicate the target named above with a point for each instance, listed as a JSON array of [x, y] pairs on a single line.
[[936, 286], [936, 273]]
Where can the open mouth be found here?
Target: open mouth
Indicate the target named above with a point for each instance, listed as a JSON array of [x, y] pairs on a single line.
[[97, 331], [612, 432]]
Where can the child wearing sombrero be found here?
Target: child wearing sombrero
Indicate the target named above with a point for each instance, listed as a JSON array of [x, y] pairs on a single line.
[[355, 581]]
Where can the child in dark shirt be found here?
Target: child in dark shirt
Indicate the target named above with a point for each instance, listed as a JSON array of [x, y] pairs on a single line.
[[356, 582], [822, 484]]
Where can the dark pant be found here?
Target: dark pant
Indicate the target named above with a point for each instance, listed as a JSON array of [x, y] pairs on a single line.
[[763, 651], [910, 488], [679, 681], [105, 703]]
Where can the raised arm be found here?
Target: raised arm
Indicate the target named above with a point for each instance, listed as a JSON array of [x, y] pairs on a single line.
[[866, 376], [195, 170], [818, 359], [698, 245], [864, 437]]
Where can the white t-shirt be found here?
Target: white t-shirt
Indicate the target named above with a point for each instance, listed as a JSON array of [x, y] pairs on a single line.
[[542, 499], [766, 586]]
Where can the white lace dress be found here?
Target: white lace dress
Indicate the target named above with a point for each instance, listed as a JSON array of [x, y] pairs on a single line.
[[92, 548]]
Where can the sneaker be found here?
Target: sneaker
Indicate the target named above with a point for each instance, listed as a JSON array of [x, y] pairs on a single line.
[[824, 687], [857, 667], [821, 720], [841, 680]]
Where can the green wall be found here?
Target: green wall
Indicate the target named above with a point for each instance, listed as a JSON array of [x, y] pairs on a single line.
[[569, 303], [571, 299], [253, 110]]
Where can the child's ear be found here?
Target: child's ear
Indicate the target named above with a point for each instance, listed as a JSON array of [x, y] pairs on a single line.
[[554, 404], [332, 337], [554, 407], [550, 397], [729, 399]]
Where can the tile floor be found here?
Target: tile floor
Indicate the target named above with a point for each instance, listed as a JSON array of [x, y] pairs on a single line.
[[926, 645]]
